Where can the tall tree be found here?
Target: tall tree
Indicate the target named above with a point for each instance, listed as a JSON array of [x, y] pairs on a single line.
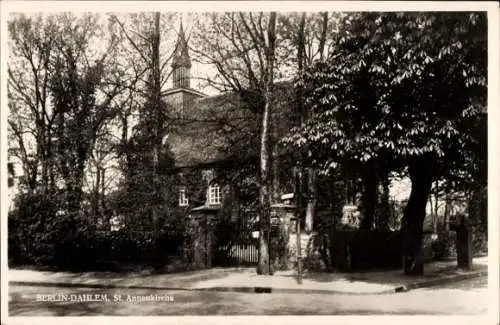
[[247, 58], [145, 155], [235, 44], [308, 36], [101, 172], [31, 47], [392, 92], [264, 266], [62, 92]]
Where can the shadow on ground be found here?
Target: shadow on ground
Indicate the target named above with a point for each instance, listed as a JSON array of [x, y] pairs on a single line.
[[381, 276]]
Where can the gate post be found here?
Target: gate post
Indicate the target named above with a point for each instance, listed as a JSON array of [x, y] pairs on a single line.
[[280, 223], [464, 244], [205, 217], [208, 242]]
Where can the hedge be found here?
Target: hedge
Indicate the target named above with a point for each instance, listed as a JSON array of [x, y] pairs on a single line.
[[364, 250], [40, 236]]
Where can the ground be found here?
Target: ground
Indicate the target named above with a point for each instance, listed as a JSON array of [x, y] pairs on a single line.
[[467, 297]]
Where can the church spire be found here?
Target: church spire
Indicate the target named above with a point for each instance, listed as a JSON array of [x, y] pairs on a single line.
[[181, 62]]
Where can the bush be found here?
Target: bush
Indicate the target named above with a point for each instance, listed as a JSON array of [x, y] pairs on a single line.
[[445, 245], [35, 229], [364, 250], [479, 240], [315, 259], [39, 234]]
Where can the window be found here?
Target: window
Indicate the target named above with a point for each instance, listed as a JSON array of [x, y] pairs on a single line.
[[116, 223], [183, 198], [214, 194]]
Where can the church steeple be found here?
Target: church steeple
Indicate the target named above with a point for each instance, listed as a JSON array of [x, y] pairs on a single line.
[[181, 96], [181, 63]]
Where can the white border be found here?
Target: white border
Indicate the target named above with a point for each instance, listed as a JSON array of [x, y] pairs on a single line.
[[284, 6], [130, 6], [493, 162]]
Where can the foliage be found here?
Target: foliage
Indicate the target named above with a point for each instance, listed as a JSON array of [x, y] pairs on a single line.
[[40, 234], [316, 253], [152, 192], [391, 89], [361, 250], [445, 244], [479, 241], [393, 94], [38, 229], [62, 94]]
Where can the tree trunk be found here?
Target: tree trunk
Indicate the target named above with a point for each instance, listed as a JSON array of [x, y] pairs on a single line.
[[422, 172], [311, 201], [385, 211], [447, 213], [298, 217], [433, 215], [309, 173], [322, 40], [44, 157], [264, 202], [275, 168], [74, 191], [156, 98], [264, 266], [436, 207], [369, 199], [477, 208], [102, 203]]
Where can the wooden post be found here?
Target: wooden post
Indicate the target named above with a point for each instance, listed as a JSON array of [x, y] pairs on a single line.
[[208, 243], [298, 214], [464, 244], [299, 255]]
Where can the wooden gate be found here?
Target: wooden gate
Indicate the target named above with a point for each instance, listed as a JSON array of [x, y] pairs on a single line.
[[239, 252], [235, 245]]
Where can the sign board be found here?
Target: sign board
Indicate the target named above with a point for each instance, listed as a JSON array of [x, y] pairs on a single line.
[[275, 220]]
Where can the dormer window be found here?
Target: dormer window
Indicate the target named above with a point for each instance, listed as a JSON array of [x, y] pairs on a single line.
[[214, 194], [183, 198]]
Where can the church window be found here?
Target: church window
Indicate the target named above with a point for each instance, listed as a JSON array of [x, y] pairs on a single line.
[[183, 198], [214, 196]]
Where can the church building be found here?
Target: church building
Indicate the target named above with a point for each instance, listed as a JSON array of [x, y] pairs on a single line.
[[210, 134]]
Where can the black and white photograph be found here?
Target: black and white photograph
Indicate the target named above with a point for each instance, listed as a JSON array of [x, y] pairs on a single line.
[[276, 159]]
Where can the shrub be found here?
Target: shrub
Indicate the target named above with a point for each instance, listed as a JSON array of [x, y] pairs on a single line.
[[40, 234], [479, 240], [315, 253], [363, 250], [35, 229], [445, 245]]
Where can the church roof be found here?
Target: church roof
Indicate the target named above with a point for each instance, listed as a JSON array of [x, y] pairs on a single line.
[[223, 129]]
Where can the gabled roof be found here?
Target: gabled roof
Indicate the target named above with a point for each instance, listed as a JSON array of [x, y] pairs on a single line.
[[223, 129]]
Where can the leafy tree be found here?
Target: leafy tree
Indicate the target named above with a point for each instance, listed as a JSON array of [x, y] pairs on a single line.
[[62, 93], [235, 45], [101, 173], [400, 90], [244, 49], [306, 37], [146, 159]]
